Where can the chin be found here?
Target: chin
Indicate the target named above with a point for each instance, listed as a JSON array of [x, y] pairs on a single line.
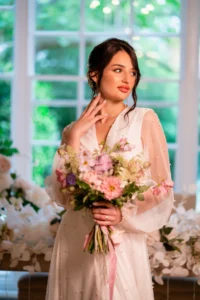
[[117, 97]]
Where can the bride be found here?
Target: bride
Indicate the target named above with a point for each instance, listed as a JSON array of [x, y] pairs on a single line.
[[113, 74]]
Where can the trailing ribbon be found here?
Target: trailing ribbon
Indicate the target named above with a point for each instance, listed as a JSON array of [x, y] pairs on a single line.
[[113, 261]]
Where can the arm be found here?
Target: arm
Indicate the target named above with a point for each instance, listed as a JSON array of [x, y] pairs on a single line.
[[153, 212]]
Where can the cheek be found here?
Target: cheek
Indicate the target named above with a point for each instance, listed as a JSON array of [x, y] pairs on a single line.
[[109, 80]]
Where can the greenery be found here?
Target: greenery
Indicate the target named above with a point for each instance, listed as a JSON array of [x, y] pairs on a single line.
[[158, 58], [6, 148]]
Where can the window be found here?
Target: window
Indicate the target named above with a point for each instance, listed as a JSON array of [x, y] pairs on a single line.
[[61, 36], [7, 16], [62, 45]]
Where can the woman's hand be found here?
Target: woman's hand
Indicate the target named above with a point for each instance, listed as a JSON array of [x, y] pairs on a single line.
[[89, 117], [109, 216]]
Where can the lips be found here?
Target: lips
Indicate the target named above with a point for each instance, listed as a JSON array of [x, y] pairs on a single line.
[[123, 89]]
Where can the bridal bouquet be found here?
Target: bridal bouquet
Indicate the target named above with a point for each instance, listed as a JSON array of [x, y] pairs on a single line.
[[104, 175]]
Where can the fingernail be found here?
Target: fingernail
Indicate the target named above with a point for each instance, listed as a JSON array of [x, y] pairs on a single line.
[[105, 115], [104, 101], [95, 203], [99, 94]]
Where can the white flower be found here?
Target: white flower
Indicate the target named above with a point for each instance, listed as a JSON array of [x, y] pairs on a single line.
[[173, 234], [48, 255], [20, 183], [16, 202], [54, 228], [5, 181], [179, 272], [6, 245], [153, 237], [38, 196], [197, 246]]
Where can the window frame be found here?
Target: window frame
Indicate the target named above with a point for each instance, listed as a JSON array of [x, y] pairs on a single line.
[[23, 102]]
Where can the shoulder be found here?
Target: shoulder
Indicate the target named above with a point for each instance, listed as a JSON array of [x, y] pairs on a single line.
[[145, 114], [150, 116], [65, 132]]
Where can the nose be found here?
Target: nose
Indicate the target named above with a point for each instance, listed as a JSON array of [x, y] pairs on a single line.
[[126, 77]]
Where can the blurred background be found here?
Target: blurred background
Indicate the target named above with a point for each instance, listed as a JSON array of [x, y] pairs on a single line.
[[44, 47]]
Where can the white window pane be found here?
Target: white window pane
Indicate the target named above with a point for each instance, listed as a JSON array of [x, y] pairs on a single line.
[[6, 41], [57, 55], [161, 16], [7, 2], [53, 90], [48, 122], [168, 117], [42, 163], [5, 106], [111, 16], [58, 15], [158, 57], [158, 91]]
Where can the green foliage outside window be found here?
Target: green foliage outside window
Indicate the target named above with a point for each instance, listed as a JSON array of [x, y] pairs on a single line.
[[158, 58]]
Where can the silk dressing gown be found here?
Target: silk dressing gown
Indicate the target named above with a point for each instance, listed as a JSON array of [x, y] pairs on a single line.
[[78, 275]]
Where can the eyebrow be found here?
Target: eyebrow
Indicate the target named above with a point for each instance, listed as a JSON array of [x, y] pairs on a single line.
[[119, 65]]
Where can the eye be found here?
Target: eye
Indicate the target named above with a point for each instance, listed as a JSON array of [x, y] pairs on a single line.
[[117, 70], [134, 73]]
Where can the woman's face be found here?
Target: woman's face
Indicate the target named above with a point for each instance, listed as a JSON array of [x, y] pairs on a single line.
[[118, 78]]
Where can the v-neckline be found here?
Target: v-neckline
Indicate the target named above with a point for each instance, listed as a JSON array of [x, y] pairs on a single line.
[[109, 131]]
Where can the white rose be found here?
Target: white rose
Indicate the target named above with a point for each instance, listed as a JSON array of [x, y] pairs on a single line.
[[197, 246], [5, 164], [20, 183], [5, 181], [38, 196]]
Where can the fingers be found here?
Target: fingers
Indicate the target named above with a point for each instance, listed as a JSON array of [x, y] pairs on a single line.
[[92, 104], [102, 203], [105, 218], [98, 108], [98, 118]]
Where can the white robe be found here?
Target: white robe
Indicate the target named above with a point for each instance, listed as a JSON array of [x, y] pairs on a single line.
[[78, 275]]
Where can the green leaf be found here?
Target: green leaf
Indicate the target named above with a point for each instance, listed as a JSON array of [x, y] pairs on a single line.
[[167, 230], [13, 175], [83, 185]]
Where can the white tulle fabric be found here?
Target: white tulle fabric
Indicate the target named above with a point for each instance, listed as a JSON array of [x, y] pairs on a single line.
[[77, 275]]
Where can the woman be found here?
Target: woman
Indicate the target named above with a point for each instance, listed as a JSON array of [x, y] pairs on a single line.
[[113, 73]]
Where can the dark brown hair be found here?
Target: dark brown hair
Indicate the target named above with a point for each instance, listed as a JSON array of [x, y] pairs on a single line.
[[100, 57]]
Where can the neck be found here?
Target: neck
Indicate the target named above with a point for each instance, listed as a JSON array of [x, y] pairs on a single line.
[[113, 110]]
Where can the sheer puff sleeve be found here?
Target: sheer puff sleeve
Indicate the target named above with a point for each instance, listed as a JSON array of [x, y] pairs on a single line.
[[52, 186], [152, 213]]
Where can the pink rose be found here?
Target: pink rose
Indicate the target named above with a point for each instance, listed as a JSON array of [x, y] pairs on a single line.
[[111, 187], [61, 177], [92, 179], [162, 188], [5, 164], [103, 163]]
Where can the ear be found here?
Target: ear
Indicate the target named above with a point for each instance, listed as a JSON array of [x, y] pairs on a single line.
[[94, 76]]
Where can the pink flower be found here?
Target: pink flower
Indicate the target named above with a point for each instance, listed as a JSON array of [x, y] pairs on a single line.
[[61, 177], [157, 190], [92, 179], [162, 188], [124, 145], [111, 187], [103, 163], [4, 164], [86, 161], [167, 183]]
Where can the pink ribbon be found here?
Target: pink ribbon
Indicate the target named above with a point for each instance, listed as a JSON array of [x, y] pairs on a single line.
[[113, 261]]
